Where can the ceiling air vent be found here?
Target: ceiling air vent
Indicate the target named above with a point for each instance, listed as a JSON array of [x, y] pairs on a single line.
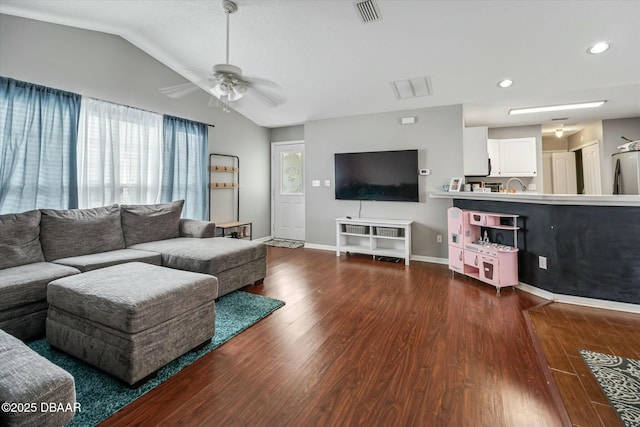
[[411, 88], [368, 11]]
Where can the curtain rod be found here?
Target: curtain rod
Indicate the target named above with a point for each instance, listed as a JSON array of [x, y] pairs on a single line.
[[149, 111], [102, 100]]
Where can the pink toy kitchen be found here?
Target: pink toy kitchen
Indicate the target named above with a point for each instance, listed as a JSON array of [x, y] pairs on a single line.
[[473, 254]]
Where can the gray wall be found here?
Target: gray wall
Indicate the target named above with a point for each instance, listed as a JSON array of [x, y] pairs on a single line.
[[107, 67], [437, 134], [522, 132], [287, 133], [612, 131]]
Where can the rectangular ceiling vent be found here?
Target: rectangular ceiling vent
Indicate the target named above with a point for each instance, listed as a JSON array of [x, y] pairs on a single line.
[[411, 88], [368, 11]]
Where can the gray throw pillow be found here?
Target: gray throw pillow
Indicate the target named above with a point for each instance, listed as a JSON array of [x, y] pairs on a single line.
[[76, 232], [149, 223], [20, 239]]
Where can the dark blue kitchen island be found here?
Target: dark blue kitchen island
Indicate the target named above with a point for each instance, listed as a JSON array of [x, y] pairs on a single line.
[[591, 243]]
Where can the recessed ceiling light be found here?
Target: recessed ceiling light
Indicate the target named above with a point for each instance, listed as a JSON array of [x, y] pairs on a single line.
[[546, 108], [505, 83], [599, 47]]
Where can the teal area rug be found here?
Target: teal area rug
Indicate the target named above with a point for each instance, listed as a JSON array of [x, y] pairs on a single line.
[[100, 395], [619, 379]]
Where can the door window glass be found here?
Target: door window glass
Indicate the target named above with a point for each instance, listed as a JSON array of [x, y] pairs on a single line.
[[291, 173]]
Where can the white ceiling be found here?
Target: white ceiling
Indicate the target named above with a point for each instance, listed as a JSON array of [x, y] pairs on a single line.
[[329, 64]]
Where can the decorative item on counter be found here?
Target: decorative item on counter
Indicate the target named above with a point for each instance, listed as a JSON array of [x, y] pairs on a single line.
[[467, 187], [456, 184]]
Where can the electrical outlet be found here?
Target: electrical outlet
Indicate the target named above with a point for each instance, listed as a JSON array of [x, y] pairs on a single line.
[[533, 187], [439, 238], [542, 262]]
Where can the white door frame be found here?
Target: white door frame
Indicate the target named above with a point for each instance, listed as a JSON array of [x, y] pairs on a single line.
[[273, 178]]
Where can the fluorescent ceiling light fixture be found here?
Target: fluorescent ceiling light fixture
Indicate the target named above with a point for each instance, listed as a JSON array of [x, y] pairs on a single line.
[[543, 109], [505, 83], [599, 47]]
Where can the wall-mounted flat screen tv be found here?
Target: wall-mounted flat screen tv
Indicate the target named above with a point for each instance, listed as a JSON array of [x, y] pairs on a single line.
[[377, 175]]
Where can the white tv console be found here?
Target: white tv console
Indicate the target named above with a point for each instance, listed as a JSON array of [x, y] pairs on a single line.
[[377, 237]]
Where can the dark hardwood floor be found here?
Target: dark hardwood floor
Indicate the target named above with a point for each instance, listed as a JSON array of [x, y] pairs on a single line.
[[370, 343], [562, 330]]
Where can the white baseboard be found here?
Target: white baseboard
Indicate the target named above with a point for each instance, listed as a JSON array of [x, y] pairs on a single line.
[[430, 259], [262, 239], [536, 291], [321, 247], [583, 301]]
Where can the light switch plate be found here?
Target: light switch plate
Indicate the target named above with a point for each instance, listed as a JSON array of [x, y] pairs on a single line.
[[315, 183], [327, 183]]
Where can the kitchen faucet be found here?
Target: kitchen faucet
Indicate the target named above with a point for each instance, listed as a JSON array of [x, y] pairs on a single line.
[[524, 187]]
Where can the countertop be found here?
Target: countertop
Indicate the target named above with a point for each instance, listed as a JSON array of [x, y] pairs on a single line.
[[549, 199]]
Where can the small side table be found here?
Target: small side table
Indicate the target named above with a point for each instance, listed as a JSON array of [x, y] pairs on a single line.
[[243, 229]]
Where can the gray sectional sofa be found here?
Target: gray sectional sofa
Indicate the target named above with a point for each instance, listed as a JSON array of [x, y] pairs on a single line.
[[40, 246]]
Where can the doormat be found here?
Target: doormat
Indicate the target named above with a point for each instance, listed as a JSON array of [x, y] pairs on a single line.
[[101, 395], [281, 243], [619, 379]]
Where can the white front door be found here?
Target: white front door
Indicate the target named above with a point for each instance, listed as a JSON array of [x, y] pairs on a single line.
[[287, 189]]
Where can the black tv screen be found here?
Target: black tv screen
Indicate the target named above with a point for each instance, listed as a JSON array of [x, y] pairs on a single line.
[[377, 175]]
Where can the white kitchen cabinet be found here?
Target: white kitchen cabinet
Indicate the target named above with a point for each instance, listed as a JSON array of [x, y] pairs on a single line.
[[513, 157], [474, 151]]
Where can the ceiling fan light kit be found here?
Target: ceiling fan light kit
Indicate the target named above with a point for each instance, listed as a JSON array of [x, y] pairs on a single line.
[[226, 81]]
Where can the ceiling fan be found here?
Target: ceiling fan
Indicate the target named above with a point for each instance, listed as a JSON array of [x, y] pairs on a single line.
[[227, 84]]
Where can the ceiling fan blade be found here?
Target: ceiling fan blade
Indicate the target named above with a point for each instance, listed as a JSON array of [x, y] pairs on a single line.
[[260, 81], [198, 70], [271, 99], [178, 91]]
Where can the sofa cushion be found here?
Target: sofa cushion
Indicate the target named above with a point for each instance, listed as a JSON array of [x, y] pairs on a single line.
[[210, 256], [74, 232], [26, 284], [20, 239], [108, 296], [197, 228], [29, 378], [106, 259], [147, 223]]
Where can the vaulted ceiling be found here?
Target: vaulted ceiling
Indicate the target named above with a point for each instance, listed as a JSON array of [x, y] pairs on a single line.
[[329, 63]]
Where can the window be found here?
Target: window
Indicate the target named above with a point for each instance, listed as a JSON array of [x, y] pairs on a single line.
[[119, 155]]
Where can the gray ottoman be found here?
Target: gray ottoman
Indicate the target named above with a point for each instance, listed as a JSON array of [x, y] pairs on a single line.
[[29, 384], [131, 319]]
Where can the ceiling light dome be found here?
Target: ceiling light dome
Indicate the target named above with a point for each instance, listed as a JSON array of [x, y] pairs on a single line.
[[598, 48], [505, 83]]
